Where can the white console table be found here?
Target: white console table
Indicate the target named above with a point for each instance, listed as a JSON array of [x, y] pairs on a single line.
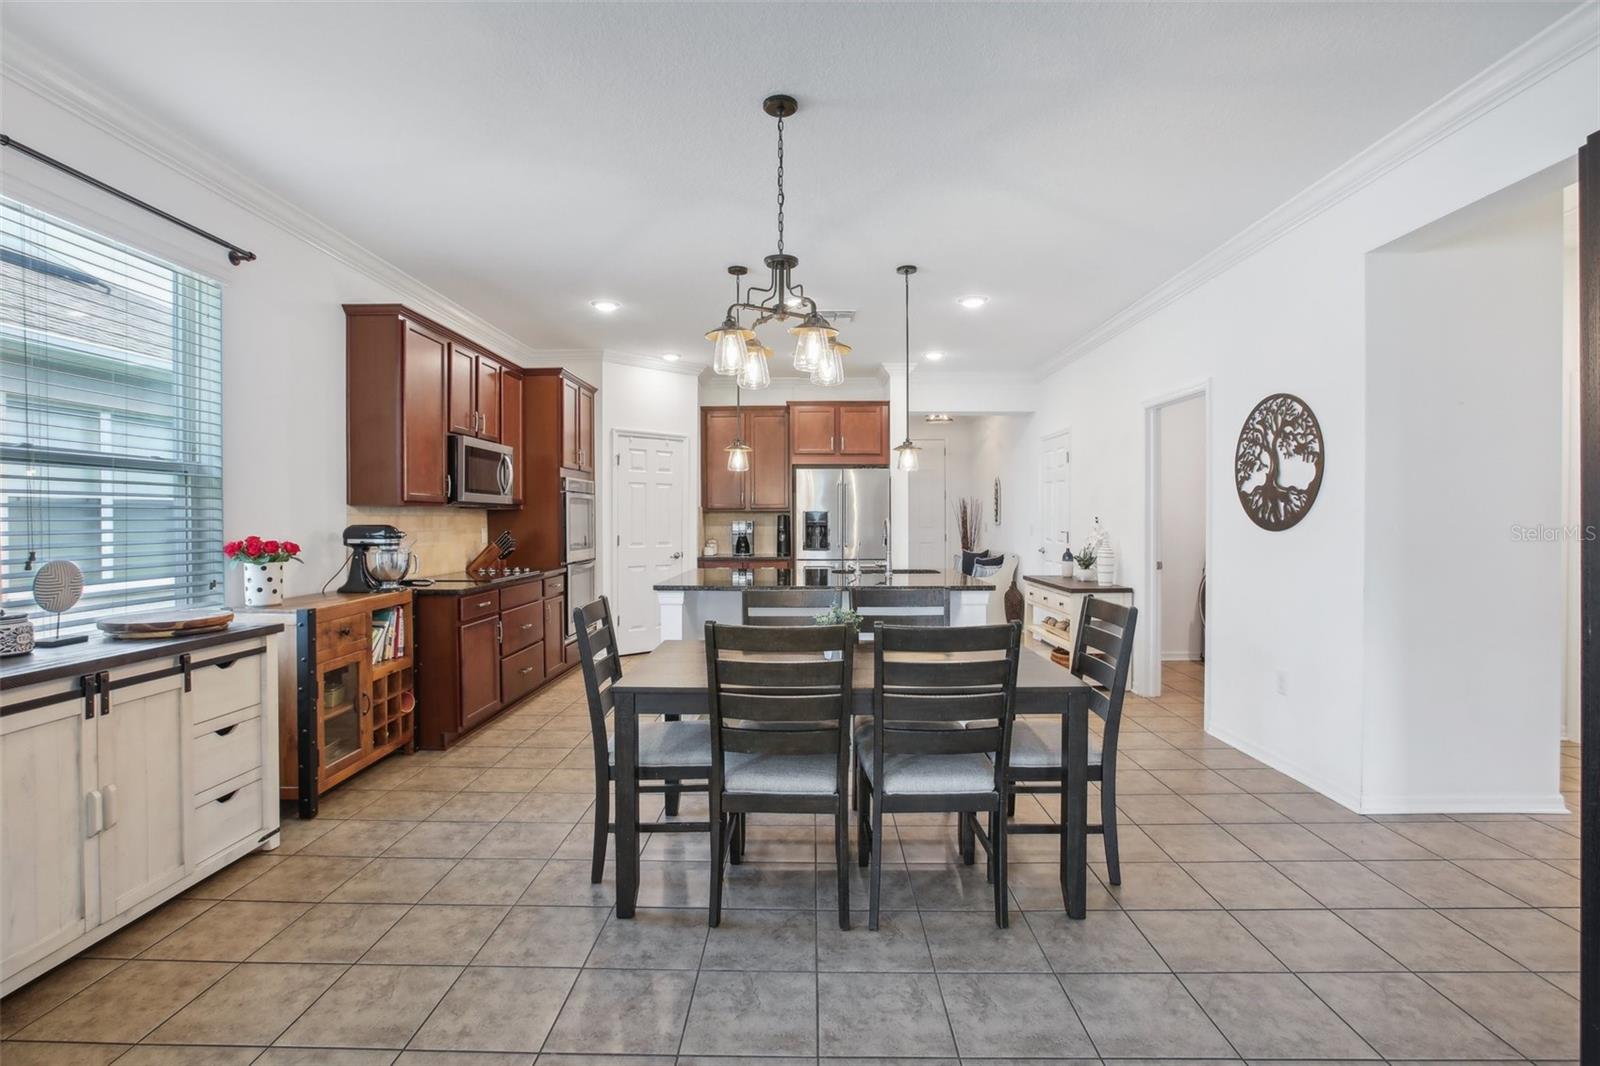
[[1061, 598]]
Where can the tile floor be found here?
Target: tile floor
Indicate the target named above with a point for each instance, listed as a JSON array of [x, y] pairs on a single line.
[[440, 912]]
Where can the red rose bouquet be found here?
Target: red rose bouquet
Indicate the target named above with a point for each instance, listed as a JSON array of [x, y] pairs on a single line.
[[255, 550]]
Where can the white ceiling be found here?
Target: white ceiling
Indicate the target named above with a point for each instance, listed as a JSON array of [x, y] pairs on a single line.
[[524, 159]]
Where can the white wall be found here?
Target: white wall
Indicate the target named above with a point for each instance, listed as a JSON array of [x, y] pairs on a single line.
[[1285, 611], [1182, 482], [1571, 475], [1463, 627], [283, 384]]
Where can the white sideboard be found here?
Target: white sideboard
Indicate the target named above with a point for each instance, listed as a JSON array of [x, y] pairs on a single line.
[[1061, 599], [122, 787]]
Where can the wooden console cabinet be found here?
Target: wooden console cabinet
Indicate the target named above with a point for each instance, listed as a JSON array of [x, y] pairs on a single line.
[[483, 649]]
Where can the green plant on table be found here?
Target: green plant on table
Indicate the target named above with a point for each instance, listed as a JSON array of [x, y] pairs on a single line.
[[1085, 559], [839, 616]]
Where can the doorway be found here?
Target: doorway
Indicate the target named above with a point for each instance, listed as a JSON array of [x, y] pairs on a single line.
[[1176, 539], [929, 493], [648, 509], [1055, 476]]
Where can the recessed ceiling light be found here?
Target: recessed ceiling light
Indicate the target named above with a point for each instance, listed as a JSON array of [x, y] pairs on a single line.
[[972, 303], [933, 357], [937, 419], [671, 357], [605, 307]]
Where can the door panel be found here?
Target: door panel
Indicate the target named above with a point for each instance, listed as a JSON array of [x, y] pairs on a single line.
[[767, 484], [463, 376], [1054, 471], [720, 488], [930, 513], [813, 429], [649, 516], [555, 608], [340, 701], [47, 886], [569, 424], [480, 669], [487, 398], [864, 432], [142, 755], [586, 430], [423, 418]]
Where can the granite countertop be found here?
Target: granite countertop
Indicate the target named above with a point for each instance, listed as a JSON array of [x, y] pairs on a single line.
[[769, 577], [461, 583], [1071, 584], [101, 652]]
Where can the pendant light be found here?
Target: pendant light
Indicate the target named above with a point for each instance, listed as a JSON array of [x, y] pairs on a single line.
[[736, 350], [738, 451], [906, 453]]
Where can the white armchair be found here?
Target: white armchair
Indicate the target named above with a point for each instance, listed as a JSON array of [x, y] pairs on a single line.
[[1002, 581]]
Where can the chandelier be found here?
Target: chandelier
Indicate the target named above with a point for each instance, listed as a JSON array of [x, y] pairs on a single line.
[[905, 453], [736, 350]]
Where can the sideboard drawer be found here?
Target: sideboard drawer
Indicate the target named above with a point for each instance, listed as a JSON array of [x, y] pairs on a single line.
[[555, 586], [227, 819], [478, 605], [229, 751], [222, 683], [519, 594], [341, 636], [521, 626]]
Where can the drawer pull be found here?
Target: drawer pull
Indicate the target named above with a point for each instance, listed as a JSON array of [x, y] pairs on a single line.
[[225, 730], [345, 631], [526, 670], [229, 796], [223, 664], [527, 625]]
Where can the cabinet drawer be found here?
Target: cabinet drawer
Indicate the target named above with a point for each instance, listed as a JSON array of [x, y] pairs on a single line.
[[227, 819], [522, 672], [517, 595], [227, 680], [521, 626], [229, 751], [555, 586], [341, 636], [478, 605]]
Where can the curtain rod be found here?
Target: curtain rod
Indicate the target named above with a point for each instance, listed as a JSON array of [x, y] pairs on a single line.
[[236, 255]]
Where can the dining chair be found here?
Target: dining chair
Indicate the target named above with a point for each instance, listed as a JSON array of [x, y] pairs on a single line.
[[901, 607], [670, 752], [787, 607], [1102, 654], [916, 756], [780, 734]]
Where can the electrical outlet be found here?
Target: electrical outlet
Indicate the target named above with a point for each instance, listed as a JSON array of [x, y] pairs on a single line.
[[1283, 683]]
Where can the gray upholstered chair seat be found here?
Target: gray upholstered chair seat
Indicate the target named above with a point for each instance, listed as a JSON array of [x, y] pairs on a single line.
[[907, 774], [796, 775], [671, 744], [1036, 742]]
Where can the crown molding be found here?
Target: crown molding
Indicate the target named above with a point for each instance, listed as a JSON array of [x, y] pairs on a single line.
[[33, 70], [1553, 48], [654, 362]]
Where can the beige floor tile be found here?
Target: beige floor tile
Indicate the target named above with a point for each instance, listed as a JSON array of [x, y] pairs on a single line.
[[393, 880], [372, 1007], [130, 940], [436, 935], [41, 1053], [250, 1005], [499, 1009], [228, 932], [331, 932], [302, 878], [46, 993], [125, 1005]]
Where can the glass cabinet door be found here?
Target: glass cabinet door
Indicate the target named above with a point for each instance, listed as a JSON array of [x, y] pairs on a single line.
[[341, 697]]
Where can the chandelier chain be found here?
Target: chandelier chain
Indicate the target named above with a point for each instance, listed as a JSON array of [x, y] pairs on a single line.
[[780, 184]]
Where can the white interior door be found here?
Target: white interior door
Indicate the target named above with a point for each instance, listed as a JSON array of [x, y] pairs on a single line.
[[1054, 471], [928, 489], [648, 511]]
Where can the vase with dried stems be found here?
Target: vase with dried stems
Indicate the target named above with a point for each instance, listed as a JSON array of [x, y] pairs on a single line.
[[969, 522]]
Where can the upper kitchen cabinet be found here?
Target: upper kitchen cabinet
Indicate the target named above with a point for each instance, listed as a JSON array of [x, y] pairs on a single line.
[[557, 444], [511, 427], [850, 433], [577, 424], [765, 486], [409, 383], [474, 393]]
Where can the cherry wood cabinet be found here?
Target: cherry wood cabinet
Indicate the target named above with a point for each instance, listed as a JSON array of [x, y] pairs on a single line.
[[409, 382], [847, 433], [482, 649], [766, 486], [556, 441], [511, 427]]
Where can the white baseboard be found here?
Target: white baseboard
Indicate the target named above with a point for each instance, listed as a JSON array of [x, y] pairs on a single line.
[[1287, 766], [1445, 803], [1180, 657]]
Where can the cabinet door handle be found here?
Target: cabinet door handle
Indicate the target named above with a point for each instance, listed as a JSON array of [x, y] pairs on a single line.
[[366, 704], [527, 625], [94, 814], [225, 730], [108, 806], [229, 796]]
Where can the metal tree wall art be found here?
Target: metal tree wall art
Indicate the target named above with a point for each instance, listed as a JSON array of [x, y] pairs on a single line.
[[1277, 466]]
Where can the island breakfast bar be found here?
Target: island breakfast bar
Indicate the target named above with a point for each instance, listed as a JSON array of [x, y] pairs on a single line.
[[672, 680]]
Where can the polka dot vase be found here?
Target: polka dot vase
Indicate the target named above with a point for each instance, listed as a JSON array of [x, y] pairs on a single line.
[[263, 584]]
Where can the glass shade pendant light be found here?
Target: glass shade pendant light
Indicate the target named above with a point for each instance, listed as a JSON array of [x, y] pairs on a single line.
[[738, 451], [906, 454], [736, 350]]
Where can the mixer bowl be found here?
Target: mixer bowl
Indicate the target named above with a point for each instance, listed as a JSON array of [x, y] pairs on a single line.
[[390, 565]]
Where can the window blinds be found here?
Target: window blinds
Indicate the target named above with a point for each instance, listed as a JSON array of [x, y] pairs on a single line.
[[110, 420]]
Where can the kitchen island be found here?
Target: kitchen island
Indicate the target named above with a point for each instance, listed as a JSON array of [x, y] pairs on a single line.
[[696, 597]]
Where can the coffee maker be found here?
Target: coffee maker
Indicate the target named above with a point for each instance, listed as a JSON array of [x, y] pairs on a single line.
[[377, 560], [744, 533]]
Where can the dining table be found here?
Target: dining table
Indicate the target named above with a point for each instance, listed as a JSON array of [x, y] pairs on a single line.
[[671, 680]]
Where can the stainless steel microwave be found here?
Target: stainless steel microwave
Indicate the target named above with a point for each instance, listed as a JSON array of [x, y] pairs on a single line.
[[480, 472]]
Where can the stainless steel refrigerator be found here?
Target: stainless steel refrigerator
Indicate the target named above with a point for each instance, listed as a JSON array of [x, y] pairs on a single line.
[[841, 515]]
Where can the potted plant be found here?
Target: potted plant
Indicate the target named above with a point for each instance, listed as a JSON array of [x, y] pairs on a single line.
[[263, 567], [1085, 569], [840, 616]]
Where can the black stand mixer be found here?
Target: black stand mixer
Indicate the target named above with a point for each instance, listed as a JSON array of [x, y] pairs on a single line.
[[377, 559]]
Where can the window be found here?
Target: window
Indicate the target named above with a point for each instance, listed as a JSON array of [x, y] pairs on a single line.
[[110, 421]]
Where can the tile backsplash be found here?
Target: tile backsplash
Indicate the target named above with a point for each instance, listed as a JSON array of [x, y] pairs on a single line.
[[444, 539]]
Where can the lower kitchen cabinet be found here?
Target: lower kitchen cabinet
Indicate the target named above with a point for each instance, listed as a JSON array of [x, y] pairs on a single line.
[[482, 649], [120, 788]]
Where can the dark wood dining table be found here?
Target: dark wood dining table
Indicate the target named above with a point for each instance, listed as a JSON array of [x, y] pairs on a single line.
[[672, 680]]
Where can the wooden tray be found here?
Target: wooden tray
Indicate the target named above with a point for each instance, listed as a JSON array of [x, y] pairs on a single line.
[[157, 625]]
